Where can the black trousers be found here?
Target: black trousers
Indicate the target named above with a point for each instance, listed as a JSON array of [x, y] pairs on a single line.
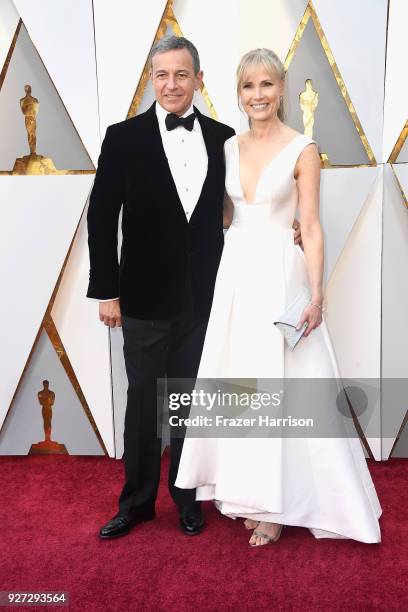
[[155, 349]]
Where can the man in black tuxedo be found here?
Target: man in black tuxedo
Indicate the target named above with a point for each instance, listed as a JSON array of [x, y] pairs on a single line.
[[166, 167]]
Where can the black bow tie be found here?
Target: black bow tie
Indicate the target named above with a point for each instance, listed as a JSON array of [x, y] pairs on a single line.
[[173, 121]]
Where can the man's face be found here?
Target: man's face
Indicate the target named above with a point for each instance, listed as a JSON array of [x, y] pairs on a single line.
[[174, 81]]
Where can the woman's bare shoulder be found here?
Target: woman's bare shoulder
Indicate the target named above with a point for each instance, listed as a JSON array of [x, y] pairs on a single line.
[[308, 160]]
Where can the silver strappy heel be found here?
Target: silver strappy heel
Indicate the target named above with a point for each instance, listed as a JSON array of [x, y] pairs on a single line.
[[267, 537]]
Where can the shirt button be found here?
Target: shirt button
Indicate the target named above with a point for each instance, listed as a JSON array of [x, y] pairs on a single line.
[[185, 165], [182, 140], [187, 212], [186, 188]]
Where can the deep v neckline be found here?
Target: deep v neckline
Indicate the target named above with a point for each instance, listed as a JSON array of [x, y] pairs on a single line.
[[263, 171]]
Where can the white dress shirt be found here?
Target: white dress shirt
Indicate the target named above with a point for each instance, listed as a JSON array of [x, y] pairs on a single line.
[[187, 158]]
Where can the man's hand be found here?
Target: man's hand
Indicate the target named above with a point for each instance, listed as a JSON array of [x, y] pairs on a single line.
[[109, 313], [297, 235]]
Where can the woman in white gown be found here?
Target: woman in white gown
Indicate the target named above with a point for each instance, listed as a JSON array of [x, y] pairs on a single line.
[[322, 484]]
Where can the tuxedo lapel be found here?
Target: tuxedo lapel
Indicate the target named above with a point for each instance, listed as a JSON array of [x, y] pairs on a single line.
[[206, 130], [209, 142], [155, 145]]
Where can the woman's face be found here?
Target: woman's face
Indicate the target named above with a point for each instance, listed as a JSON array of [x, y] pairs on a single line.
[[260, 93]]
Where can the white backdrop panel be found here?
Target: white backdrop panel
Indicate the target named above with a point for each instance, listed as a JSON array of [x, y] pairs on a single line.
[[42, 214], [394, 303], [354, 293], [396, 82], [84, 337], [119, 387], [401, 170], [8, 24], [354, 300], [63, 35], [124, 32], [269, 23], [342, 195], [204, 24]]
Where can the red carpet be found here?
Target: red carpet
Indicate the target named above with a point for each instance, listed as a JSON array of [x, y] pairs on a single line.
[[52, 507]]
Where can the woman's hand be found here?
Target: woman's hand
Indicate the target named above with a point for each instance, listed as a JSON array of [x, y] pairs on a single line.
[[312, 315], [228, 211], [297, 236]]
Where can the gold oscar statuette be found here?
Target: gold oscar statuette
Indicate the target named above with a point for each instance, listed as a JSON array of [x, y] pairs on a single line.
[[33, 163], [46, 397], [308, 101]]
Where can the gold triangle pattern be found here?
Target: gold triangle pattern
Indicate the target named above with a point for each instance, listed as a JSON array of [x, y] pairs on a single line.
[[399, 434], [310, 13], [398, 145], [168, 19], [9, 54]]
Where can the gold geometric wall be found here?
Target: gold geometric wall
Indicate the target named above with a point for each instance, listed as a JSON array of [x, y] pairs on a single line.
[[317, 36], [35, 164]]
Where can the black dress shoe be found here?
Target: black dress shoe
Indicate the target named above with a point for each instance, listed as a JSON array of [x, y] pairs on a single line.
[[191, 520], [121, 525]]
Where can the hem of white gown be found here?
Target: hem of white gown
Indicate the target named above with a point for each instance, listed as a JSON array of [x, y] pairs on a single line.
[[323, 531]]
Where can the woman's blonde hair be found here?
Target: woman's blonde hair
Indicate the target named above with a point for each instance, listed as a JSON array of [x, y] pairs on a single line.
[[270, 61]]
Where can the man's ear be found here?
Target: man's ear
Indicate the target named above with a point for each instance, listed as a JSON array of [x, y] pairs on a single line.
[[199, 79]]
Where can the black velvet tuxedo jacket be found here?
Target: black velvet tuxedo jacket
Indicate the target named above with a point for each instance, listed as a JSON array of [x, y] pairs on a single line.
[[161, 250]]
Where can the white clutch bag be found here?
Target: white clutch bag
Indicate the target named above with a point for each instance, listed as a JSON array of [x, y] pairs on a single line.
[[287, 321]]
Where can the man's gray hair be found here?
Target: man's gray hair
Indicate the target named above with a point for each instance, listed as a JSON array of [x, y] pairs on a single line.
[[171, 42]]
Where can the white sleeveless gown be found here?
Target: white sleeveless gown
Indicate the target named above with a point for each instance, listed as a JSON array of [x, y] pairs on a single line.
[[319, 483]]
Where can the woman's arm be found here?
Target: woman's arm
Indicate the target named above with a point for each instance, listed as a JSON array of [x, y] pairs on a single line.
[[228, 211], [307, 175]]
